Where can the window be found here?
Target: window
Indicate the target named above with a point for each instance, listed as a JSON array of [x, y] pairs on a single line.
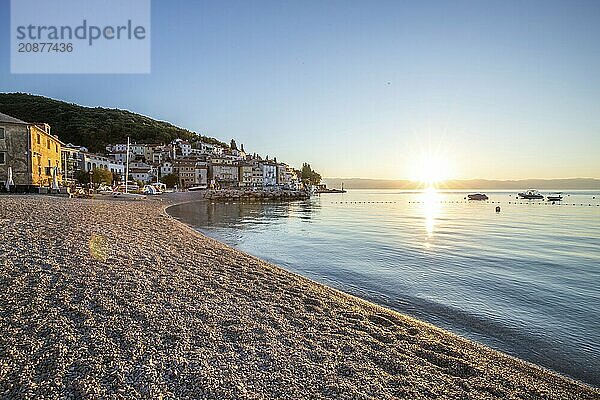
[[2, 158], [2, 133], [39, 139], [48, 144]]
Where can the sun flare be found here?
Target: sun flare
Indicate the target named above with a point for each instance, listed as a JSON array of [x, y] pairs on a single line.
[[430, 170]]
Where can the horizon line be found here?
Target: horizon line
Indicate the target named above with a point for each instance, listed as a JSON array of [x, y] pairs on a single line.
[[466, 179]]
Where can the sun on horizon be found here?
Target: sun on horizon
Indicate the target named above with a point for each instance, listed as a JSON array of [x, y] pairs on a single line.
[[431, 169]]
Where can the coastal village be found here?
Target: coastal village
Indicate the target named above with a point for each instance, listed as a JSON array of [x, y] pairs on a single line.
[[34, 159]]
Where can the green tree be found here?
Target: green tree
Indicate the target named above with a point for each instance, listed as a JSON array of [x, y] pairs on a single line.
[[309, 176], [315, 178], [306, 173], [99, 175], [96, 127], [82, 177], [170, 180]]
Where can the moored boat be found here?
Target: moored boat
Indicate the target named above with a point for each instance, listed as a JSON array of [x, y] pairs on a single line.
[[554, 196], [477, 196], [322, 188], [531, 194]]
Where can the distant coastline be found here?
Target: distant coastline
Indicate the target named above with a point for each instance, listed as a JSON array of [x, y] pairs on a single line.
[[541, 184]]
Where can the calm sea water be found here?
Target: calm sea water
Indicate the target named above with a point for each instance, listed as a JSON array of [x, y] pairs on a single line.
[[525, 281]]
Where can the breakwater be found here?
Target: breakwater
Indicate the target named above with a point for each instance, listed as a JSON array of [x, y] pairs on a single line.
[[258, 195]]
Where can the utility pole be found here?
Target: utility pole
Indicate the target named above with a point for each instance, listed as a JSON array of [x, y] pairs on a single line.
[[127, 165]]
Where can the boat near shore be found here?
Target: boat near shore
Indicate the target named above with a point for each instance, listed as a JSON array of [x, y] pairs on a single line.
[[322, 188], [531, 194], [478, 196], [557, 196], [330, 191]]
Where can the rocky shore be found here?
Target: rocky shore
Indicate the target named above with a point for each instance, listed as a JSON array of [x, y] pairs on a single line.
[[115, 299], [259, 195]]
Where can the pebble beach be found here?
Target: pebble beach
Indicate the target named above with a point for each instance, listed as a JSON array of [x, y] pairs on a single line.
[[115, 299]]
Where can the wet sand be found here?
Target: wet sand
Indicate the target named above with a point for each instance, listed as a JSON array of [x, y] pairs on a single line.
[[115, 299]]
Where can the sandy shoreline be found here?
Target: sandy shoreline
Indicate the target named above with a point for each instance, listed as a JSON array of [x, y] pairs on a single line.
[[102, 298]]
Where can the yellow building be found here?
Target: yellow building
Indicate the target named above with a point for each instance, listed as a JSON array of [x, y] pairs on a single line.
[[30, 151], [45, 155]]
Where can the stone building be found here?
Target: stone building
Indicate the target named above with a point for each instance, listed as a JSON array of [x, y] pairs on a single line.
[[191, 171], [30, 151], [224, 174], [245, 174]]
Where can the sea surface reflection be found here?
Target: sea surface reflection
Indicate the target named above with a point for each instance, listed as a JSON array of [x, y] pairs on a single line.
[[525, 280]]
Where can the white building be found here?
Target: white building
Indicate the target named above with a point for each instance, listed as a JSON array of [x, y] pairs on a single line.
[[292, 180], [205, 148], [140, 174], [166, 168], [117, 148], [89, 161], [218, 150], [137, 149], [185, 147], [269, 171], [120, 156]]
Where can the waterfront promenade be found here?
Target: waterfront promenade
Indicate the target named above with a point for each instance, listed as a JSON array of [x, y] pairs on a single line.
[[105, 298]]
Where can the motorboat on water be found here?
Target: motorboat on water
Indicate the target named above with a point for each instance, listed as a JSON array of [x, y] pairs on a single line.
[[196, 188], [477, 196], [557, 196], [531, 194]]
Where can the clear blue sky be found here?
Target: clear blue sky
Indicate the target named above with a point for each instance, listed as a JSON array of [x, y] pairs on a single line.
[[505, 89]]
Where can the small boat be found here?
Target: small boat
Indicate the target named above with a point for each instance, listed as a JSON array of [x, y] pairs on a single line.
[[199, 187], [322, 188], [477, 196], [555, 196], [531, 194], [327, 190]]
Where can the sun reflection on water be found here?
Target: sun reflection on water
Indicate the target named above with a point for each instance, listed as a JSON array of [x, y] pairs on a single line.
[[431, 210]]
